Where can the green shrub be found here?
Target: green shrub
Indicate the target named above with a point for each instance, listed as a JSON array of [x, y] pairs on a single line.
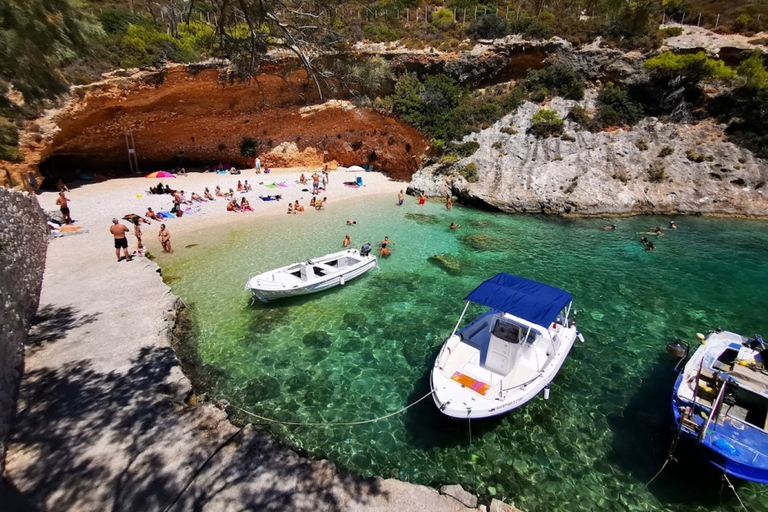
[[752, 70], [442, 19], [545, 123], [641, 145], [559, 79], [9, 134], [489, 26], [691, 68], [665, 152], [567, 138], [579, 115], [464, 149], [671, 31], [249, 147], [469, 172], [497, 145], [614, 107], [11, 154], [693, 156], [380, 33], [657, 173], [509, 130]]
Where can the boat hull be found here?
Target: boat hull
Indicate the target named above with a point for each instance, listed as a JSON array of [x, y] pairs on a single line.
[[463, 398], [267, 289], [732, 441]]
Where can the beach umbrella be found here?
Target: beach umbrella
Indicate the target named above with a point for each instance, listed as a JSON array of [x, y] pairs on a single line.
[[355, 168], [160, 174]]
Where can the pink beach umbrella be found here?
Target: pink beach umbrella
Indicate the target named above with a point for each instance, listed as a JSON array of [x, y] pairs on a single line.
[[160, 174]]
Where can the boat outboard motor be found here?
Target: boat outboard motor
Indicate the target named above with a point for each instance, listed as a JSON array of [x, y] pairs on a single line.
[[365, 250], [757, 343], [677, 349]]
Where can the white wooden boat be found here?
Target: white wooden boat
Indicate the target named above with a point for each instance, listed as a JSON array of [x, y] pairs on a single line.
[[506, 356], [312, 275]]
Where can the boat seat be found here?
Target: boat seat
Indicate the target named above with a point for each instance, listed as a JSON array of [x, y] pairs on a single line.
[[500, 357]]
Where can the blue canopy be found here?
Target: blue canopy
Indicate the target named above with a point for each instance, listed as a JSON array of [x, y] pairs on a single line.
[[535, 302]]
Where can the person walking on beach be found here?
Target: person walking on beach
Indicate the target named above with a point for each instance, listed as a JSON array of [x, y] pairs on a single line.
[[165, 239], [137, 231], [258, 165], [63, 203], [400, 198], [121, 242]]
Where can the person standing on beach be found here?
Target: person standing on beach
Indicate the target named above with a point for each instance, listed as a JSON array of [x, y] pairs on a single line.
[[121, 242], [326, 175], [258, 165], [165, 239], [315, 183], [63, 203], [400, 198]]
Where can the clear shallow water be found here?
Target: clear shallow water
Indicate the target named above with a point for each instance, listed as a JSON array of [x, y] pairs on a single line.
[[365, 349]]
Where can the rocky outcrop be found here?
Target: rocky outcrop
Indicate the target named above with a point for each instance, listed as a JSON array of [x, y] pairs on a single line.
[[197, 115], [654, 167], [23, 243]]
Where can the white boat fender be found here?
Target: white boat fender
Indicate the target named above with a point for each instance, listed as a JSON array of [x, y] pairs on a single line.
[[580, 336], [341, 280], [546, 392]]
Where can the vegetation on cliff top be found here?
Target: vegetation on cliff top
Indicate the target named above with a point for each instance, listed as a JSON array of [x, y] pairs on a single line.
[[59, 42]]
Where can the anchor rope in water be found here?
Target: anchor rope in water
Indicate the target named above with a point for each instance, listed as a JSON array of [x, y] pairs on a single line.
[[725, 476], [326, 424]]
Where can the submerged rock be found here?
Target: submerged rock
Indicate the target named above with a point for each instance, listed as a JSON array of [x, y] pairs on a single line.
[[447, 262], [422, 218], [317, 339], [482, 242]]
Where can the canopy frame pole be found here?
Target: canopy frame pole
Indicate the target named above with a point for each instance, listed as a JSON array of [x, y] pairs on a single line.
[[460, 318], [568, 313]]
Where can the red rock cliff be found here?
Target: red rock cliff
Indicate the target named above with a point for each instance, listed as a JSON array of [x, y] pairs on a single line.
[[190, 117]]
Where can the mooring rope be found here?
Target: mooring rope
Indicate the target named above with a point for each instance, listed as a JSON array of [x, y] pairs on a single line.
[[326, 424], [734, 492]]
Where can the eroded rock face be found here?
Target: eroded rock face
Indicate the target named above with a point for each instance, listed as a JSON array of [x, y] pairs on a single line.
[[195, 116], [612, 172]]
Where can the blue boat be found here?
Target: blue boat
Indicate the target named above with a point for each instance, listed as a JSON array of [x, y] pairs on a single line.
[[720, 401]]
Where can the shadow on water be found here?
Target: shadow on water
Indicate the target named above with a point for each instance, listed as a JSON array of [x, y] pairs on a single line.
[[642, 436]]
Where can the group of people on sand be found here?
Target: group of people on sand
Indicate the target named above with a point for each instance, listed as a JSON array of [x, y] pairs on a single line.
[[317, 204], [647, 244], [243, 206], [119, 233]]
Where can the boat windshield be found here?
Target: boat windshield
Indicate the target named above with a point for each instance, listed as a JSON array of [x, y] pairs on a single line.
[[513, 333]]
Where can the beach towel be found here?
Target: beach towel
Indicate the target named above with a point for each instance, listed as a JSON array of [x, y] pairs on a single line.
[[271, 185], [282, 184], [270, 198], [468, 382], [165, 215], [351, 184]]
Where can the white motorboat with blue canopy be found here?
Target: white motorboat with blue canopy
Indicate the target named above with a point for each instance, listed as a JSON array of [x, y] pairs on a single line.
[[313, 275], [502, 359]]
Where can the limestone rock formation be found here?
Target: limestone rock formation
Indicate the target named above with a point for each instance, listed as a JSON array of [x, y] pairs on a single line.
[[654, 167]]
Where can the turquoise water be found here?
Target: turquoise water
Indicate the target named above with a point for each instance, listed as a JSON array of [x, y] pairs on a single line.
[[365, 349]]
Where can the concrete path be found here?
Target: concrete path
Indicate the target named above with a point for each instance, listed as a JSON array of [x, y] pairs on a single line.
[[102, 424]]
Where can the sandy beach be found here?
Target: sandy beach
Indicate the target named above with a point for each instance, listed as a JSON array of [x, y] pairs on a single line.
[[93, 205], [104, 416]]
